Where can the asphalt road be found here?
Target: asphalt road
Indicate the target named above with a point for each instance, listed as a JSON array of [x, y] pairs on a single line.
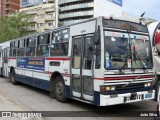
[[34, 99]]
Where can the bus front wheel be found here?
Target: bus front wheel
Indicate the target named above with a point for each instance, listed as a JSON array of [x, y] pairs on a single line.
[[60, 90]]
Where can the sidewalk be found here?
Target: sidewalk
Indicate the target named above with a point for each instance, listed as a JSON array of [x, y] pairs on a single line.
[[7, 104]]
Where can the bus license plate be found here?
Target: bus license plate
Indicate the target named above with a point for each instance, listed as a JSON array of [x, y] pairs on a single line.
[[149, 95]]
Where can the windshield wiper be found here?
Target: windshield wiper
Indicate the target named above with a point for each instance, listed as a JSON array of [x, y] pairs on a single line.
[[142, 62], [139, 58], [125, 64]]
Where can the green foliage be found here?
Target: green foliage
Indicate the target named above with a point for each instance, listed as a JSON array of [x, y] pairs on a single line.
[[13, 26]]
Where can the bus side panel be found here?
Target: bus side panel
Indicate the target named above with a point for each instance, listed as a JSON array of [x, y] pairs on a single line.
[[12, 63], [41, 80], [61, 65], [38, 80]]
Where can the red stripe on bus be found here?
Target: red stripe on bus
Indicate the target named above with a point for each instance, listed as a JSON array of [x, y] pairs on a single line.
[[11, 58], [57, 58], [64, 74], [123, 78], [48, 72]]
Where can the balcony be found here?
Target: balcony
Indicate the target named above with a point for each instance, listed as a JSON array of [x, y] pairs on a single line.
[[47, 10], [76, 14], [51, 1], [33, 20], [77, 7], [32, 12], [7, 2], [68, 1], [49, 19]]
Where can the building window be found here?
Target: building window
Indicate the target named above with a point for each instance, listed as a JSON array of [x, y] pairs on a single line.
[[50, 16], [33, 26], [50, 24], [40, 24]]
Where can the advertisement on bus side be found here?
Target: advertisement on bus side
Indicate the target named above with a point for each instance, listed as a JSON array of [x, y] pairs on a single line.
[[31, 63]]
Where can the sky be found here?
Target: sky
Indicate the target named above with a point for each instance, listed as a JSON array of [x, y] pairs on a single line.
[[137, 7]]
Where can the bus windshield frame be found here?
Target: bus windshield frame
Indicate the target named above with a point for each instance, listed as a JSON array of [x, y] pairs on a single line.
[[124, 48]]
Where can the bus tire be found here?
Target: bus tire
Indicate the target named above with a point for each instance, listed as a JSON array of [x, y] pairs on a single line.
[[60, 90], [13, 78], [1, 72], [52, 93]]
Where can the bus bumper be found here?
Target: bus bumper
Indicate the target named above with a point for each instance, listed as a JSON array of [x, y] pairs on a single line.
[[106, 100]]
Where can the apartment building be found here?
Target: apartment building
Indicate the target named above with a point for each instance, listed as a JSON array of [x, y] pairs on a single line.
[[8, 7], [72, 11], [42, 17]]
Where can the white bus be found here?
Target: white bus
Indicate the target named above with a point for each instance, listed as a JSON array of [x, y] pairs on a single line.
[[102, 61]]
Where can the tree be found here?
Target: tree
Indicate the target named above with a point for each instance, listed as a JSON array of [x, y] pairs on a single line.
[[13, 26]]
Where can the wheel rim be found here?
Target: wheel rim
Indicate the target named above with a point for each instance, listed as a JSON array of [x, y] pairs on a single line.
[[59, 89]]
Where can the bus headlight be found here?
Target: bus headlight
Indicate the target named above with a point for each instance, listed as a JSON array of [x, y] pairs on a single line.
[[113, 88], [107, 88], [110, 88], [147, 84]]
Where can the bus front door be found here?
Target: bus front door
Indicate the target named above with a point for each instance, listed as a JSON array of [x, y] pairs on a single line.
[[82, 65]]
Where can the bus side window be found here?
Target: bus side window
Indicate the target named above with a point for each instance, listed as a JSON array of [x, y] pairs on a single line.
[[11, 49], [30, 49], [21, 48], [43, 45], [59, 43], [15, 48]]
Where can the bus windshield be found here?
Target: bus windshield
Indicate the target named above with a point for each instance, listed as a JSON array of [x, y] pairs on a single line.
[[127, 53]]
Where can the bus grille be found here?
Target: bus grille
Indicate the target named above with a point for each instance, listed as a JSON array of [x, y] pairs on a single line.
[[130, 86]]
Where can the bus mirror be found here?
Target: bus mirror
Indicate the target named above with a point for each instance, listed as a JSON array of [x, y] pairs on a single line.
[[97, 36]]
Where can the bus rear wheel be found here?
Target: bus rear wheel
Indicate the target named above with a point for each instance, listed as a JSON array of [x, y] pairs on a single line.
[[13, 78], [60, 90]]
